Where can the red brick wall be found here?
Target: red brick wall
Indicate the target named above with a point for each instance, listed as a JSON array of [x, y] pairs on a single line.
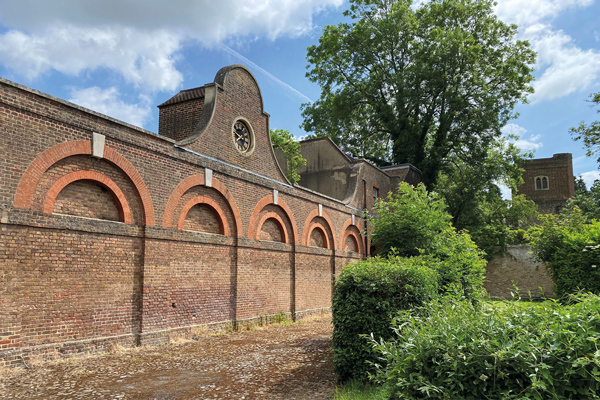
[[313, 280], [271, 230], [77, 283], [202, 218], [177, 121], [65, 285], [86, 199]]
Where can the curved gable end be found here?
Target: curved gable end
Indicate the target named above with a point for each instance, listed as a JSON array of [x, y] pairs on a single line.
[[224, 120]]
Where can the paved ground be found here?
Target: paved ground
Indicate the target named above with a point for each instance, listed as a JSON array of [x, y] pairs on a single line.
[[280, 362]]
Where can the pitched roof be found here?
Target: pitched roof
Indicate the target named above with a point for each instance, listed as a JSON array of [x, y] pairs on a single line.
[[185, 95]]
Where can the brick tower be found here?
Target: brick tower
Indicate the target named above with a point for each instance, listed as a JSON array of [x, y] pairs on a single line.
[[549, 182]]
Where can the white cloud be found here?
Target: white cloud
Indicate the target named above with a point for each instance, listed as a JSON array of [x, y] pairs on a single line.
[[568, 68], [207, 20], [531, 143], [597, 36], [590, 176], [138, 39], [144, 59], [107, 101], [524, 13]]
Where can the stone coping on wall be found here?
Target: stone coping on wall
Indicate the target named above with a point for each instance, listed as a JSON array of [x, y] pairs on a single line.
[[90, 225]]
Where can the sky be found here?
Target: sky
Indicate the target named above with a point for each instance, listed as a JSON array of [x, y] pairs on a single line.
[[124, 57]]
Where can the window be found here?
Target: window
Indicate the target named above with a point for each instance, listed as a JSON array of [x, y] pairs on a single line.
[[541, 183], [375, 195]]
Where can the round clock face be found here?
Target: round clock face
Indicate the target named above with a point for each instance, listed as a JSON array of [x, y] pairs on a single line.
[[242, 137]]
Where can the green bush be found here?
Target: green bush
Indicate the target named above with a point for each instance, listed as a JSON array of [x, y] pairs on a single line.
[[368, 294], [409, 221], [459, 263], [570, 248], [455, 350], [413, 222]]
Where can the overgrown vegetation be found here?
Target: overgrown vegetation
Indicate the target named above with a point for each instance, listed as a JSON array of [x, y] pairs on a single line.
[[454, 349], [423, 257], [291, 151], [368, 295], [569, 245]]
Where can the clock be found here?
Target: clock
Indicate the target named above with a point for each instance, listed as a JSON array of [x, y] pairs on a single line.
[[242, 138]]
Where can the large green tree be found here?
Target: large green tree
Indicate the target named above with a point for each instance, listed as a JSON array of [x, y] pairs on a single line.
[[474, 198], [589, 133], [419, 86]]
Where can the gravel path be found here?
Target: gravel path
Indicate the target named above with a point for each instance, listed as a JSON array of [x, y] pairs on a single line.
[[279, 362]]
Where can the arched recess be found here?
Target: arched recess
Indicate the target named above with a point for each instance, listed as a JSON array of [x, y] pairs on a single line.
[[103, 180], [223, 226], [322, 232], [198, 180], [310, 224], [271, 215], [351, 229], [40, 165], [265, 201]]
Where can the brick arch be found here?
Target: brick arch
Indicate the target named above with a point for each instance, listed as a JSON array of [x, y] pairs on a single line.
[[223, 226], [307, 228], [352, 234], [318, 225], [116, 193], [198, 180], [346, 230], [276, 217], [265, 201], [40, 165]]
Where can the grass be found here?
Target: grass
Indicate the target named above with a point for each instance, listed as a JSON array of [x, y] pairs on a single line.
[[355, 390]]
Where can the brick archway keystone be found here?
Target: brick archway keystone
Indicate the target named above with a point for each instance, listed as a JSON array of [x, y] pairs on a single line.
[[307, 230], [198, 180], [265, 201]]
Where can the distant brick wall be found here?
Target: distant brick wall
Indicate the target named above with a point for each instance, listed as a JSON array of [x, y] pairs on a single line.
[[517, 267]]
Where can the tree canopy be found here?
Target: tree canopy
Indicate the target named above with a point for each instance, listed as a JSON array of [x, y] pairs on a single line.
[[590, 133], [475, 201], [418, 86]]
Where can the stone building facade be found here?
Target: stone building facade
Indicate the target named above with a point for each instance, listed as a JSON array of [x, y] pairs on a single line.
[[113, 234], [549, 182]]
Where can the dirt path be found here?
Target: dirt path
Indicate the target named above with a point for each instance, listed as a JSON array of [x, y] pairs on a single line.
[[280, 362]]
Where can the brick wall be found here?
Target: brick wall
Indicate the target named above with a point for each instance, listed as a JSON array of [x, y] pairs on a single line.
[[517, 267], [73, 278]]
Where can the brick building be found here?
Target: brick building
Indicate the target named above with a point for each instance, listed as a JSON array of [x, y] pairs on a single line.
[[113, 234], [549, 182]]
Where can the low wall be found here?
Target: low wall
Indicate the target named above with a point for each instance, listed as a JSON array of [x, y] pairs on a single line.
[[517, 267]]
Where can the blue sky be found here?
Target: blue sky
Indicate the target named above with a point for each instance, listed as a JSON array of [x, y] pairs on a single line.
[[124, 57]]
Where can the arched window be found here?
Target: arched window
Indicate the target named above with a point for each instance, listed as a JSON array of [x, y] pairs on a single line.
[[541, 183]]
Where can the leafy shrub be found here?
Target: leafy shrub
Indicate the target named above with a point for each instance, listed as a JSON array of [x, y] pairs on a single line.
[[459, 263], [368, 295], [413, 222], [409, 221], [457, 350], [570, 247], [517, 236]]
